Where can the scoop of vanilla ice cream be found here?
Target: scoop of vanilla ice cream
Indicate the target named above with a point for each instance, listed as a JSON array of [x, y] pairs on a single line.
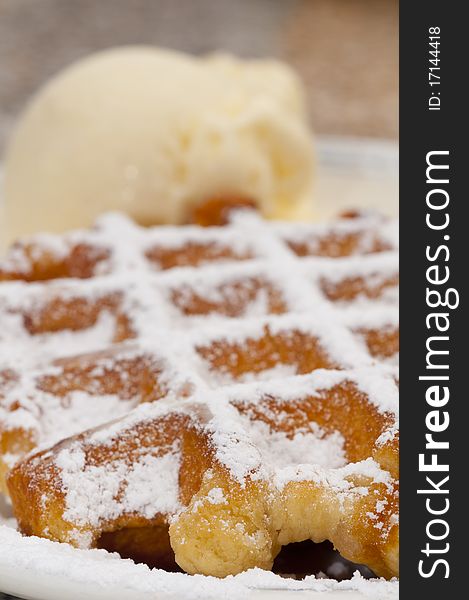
[[153, 132]]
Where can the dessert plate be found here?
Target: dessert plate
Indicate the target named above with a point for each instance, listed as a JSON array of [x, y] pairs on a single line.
[[38, 569]]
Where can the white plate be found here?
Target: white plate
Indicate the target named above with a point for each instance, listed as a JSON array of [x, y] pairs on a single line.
[[351, 174], [42, 570]]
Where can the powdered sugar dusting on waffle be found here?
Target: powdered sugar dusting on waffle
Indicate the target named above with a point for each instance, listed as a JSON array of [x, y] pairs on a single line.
[[281, 451], [274, 277], [151, 487], [56, 400], [340, 480], [145, 293], [143, 296], [245, 447]]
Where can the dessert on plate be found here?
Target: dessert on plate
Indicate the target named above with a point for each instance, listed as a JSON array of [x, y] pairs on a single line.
[[204, 395], [182, 382]]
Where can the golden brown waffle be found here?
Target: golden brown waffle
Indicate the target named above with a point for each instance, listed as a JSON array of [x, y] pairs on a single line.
[[263, 355]]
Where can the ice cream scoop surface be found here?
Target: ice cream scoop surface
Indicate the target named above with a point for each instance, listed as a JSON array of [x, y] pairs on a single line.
[[154, 132]]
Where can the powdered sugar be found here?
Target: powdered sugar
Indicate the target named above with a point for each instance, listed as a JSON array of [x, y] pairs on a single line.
[[145, 297], [153, 477], [98, 493], [98, 574], [280, 451], [244, 446], [338, 480]]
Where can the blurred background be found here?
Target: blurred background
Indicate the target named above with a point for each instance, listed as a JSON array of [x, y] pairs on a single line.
[[345, 50]]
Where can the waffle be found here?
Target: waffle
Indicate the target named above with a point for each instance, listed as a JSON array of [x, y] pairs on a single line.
[[220, 391]]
